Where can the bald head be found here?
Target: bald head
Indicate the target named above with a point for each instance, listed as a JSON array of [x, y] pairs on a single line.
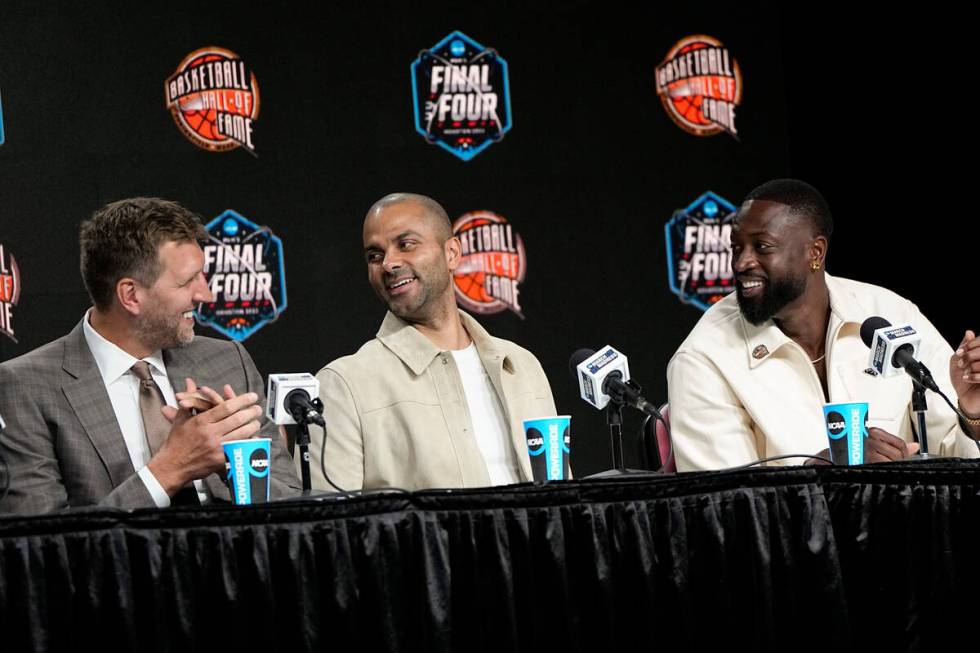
[[431, 211], [411, 255]]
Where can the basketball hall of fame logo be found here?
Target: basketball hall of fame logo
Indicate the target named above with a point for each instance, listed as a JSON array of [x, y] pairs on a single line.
[[700, 85], [214, 99], [492, 266], [9, 292]]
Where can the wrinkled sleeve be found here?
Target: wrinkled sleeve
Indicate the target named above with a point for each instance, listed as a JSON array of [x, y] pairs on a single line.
[[29, 447], [710, 428], [338, 450]]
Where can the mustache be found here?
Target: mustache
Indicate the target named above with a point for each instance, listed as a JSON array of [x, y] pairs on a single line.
[[394, 277]]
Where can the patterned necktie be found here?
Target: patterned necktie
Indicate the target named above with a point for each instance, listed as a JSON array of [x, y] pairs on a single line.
[[155, 425]]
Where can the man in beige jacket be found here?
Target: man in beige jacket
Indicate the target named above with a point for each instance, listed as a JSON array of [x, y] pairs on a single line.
[[433, 401]]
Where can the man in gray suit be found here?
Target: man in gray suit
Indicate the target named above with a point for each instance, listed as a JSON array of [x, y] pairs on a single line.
[[93, 418]]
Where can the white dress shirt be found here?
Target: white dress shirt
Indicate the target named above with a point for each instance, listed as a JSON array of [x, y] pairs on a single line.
[[122, 385]]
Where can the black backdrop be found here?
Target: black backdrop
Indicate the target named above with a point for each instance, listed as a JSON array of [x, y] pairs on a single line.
[[872, 109]]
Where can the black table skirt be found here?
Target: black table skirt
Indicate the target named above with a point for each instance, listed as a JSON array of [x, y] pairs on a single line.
[[796, 558]]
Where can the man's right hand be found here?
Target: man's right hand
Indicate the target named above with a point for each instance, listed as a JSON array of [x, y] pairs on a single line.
[[881, 447], [193, 448]]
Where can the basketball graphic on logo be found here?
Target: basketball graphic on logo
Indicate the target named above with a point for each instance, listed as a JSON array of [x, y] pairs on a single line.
[[688, 106], [700, 84], [214, 99], [201, 121], [492, 264], [471, 285]]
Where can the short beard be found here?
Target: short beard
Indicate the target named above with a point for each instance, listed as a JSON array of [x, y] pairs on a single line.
[[427, 301], [772, 301], [157, 331], [409, 311]]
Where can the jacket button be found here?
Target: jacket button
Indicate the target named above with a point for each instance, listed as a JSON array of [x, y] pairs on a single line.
[[444, 361]]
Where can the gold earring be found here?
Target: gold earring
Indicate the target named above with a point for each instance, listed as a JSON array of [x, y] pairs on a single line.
[[815, 265]]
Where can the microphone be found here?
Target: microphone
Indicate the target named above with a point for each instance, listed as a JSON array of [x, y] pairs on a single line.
[[294, 399], [605, 376], [893, 349]]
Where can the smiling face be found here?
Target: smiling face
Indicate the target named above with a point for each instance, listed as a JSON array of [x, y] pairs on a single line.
[[410, 256], [166, 316], [772, 250]]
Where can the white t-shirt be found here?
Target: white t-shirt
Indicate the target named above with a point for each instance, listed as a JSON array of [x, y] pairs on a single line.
[[490, 425]]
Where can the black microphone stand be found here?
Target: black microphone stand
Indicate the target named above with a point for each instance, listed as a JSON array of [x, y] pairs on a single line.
[[303, 419], [919, 407], [614, 418]]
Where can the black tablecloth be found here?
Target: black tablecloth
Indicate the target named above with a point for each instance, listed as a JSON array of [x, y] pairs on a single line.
[[794, 558]]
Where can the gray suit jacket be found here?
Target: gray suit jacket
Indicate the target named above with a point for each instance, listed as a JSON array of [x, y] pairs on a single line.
[[63, 445]]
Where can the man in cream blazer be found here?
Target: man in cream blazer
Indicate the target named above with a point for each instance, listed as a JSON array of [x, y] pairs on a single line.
[[434, 401]]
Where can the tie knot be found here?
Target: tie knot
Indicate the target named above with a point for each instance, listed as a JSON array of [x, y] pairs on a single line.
[[142, 370]]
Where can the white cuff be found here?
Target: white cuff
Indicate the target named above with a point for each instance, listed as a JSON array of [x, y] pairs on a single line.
[[160, 496]]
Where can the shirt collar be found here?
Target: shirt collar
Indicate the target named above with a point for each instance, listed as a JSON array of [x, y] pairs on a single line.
[[762, 340], [112, 361], [418, 352]]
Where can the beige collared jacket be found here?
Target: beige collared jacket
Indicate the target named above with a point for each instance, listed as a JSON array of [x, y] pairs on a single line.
[[397, 416]]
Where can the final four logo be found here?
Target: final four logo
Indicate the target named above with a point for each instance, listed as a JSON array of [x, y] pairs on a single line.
[[243, 263], [492, 266], [214, 99], [9, 292], [461, 96], [699, 250], [700, 84]]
